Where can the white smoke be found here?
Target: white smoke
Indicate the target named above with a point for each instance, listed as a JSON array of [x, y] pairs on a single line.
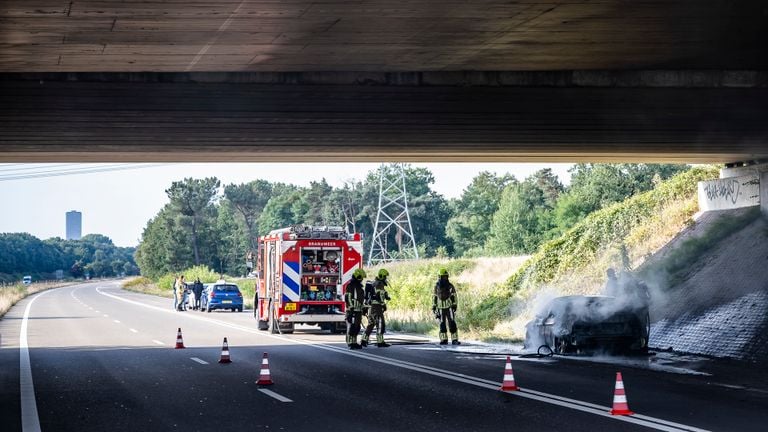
[[625, 293], [537, 305]]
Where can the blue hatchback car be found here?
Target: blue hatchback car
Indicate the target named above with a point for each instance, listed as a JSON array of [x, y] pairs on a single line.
[[221, 295]]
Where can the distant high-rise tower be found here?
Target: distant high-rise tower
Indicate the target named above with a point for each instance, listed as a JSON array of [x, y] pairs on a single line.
[[74, 225]]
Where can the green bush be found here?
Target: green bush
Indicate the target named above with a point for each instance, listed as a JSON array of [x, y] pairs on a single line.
[[205, 274], [137, 281], [163, 286], [486, 314], [166, 282], [411, 283], [247, 288], [413, 325], [601, 230], [482, 301]]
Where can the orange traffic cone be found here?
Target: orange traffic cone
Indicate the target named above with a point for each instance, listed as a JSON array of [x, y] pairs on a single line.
[[265, 378], [179, 340], [620, 406], [225, 353], [509, 378]]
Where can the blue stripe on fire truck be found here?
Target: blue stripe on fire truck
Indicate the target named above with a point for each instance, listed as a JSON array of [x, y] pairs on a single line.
[[291, 283]]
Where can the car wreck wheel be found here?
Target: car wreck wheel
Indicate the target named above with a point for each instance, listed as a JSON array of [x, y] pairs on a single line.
[[559, 346]]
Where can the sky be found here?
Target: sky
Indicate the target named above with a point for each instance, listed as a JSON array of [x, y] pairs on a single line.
[[119, 203]]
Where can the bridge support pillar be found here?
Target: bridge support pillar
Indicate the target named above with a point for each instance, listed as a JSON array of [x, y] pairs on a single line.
[[741, 184], [764, 192]]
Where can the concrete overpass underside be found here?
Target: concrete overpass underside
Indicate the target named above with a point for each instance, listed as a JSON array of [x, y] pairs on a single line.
[[609, 80], [174, 117]]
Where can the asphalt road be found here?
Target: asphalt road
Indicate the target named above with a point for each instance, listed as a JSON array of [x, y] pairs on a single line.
[[101, 358]]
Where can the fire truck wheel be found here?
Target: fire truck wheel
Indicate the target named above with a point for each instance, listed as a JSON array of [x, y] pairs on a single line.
[[272, 323], [263, 324]]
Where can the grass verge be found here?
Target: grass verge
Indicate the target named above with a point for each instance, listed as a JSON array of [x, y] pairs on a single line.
[[476, 280], [146, 286], [12, 294]]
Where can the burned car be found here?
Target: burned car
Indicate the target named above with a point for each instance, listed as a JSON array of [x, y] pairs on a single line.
[[580, 324]]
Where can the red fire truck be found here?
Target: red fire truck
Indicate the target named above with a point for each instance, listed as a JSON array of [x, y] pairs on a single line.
[[303, 272]]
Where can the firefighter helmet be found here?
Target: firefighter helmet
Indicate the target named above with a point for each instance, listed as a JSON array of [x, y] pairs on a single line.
[[359, 274], [442, 272], [383, 273]]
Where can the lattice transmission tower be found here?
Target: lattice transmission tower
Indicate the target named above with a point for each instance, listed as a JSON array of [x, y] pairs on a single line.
[[392, 214]]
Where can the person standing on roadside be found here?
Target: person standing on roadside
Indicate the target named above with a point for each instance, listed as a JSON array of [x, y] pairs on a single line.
[[376, 300], [353, 300], [181, 293], [175, 292], [444, 307], [197, 289], [612, 285]]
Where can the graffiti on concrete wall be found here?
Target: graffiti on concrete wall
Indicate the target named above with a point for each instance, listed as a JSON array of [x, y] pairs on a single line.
[[729, 193]]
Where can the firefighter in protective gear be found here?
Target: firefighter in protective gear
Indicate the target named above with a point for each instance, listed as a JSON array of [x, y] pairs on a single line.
[[354, 305], [376, 299], [444, 307]]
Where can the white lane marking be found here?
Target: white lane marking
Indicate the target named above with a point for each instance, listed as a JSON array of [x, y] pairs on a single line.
[[72, 293], [195, 359], [133, 330], [535, 395], [158, 342], [731, 386], [30, 422], [603, 411], [117, 321], [279, 397]]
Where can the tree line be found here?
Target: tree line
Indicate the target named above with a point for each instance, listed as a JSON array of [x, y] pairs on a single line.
[[93, 254], [205, 224]]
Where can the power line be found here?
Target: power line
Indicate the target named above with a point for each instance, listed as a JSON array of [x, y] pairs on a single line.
[[76, 171], [31, 167], [73, 168]]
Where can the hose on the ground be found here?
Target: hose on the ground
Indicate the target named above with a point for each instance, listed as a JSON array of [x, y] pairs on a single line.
[[548, 352]]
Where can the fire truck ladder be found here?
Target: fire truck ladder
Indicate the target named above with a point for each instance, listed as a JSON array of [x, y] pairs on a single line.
[[393, 213]]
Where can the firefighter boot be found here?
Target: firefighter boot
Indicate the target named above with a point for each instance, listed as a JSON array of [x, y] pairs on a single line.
[[380, 341], [351, 341], [364, 341], [455, 339], [443, 338]]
